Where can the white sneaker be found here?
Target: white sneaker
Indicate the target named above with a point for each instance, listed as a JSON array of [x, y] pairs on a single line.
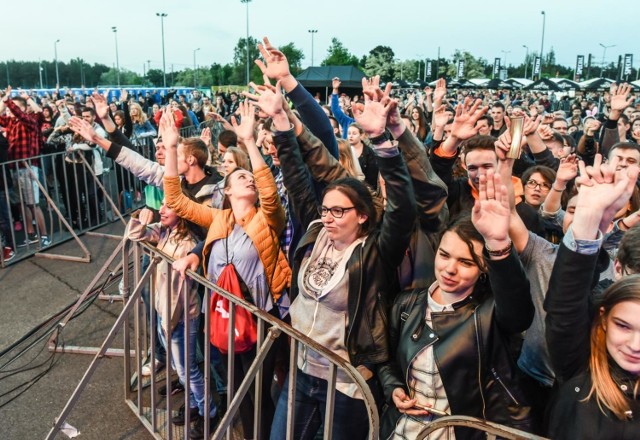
[[146, 368]]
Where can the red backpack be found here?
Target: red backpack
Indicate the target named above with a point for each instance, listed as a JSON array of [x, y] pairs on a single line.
[[245, 326]]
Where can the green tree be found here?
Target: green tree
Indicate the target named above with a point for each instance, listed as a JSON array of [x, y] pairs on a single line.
[[155, 77], [294, 56], [380, 61], [239, 73], [473, 67], [127, 78], [338, 55]]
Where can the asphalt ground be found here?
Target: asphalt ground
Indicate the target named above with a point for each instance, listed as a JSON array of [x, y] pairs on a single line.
[[31, 291]]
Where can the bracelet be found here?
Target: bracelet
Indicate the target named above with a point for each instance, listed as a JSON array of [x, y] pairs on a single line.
[[621, 221], [381, 139], [557, 190], [499, 252]]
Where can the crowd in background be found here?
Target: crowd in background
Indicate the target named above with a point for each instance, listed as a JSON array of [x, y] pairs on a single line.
[[394, 227]]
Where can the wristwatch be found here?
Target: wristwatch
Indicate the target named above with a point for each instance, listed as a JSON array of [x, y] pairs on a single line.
[[381, 139]]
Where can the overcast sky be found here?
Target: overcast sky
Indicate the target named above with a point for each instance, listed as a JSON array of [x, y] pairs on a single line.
[[412, 28]]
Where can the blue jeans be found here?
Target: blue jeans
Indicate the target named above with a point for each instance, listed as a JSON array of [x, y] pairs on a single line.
[[350, 420], [178, 361]]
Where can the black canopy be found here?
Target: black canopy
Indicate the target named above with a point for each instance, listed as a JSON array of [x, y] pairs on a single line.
[[567, 84], [544, 84], [598, 84], [496, 84], [350, 77]]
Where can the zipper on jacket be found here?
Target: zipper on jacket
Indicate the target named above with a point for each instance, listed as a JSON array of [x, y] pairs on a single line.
[[353, 321], [475, 323], [495, 374]]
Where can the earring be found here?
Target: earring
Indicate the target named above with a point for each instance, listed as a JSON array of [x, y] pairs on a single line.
[[483, 277]]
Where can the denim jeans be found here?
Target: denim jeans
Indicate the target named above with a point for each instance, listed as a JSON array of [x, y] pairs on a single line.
[[350, 420], [178, 361]]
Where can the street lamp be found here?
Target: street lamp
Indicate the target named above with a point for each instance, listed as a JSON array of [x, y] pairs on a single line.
[[604, 53], [247, 41], [115, 35], [55, 50], [162, 15], [195, 72], [505, 53], [313, 32], [544, 20], [40, 72], [526, 62]]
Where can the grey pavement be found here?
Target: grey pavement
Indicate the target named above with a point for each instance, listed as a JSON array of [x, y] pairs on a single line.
[[30, 292]]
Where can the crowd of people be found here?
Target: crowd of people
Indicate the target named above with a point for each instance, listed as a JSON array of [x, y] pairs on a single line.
[[461, 266]]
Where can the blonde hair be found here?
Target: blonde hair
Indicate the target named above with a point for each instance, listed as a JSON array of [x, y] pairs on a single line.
[[141, 118], [346, 158], [605, 390]]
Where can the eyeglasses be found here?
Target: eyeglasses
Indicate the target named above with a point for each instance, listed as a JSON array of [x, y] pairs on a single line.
[[336, 211], [533, 185]]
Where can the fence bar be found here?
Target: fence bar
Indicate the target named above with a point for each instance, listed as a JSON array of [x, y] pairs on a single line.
[[124, 315]]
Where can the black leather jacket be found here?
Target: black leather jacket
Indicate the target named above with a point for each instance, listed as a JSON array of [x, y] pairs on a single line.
[[372, 266], [568, 322], [471, 348]]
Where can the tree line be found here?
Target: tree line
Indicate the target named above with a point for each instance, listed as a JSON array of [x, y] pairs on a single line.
[[380, 60]]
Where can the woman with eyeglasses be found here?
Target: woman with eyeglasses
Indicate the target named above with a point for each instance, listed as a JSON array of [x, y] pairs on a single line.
[[537, 182], [344, 272]]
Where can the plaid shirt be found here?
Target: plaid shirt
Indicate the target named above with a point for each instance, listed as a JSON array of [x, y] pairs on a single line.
[[22, 132], [287, 234]]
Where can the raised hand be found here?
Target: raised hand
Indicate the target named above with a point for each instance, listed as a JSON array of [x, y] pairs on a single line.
[[490, 213], [123, 95], [244, 129], [205, 136], [275, 64], [100, 104], [167, 129], [603, 191], [440, 92], [83, 128], [464, 122], [619, 99], [268, 100], [440, 116], [568, 169], [531, 124], [372, 116], [335, 83], [24, 95]]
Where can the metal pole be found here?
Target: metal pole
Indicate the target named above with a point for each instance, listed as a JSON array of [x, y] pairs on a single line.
[[438, 64], [39, 71], [506, 52], [526, 63], [247, 40], [544, 19], [115, 35], [162, 15], [7, 66], [426, 60], [55, 50], [313, 32], [81, 73], [195, 72], [604, 54]]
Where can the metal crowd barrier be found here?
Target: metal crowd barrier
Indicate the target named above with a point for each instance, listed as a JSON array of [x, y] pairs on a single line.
[[153, 412], [74, 200]]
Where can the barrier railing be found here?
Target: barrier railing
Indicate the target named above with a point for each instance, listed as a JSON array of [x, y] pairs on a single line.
[[60, 196], [156, 415]]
